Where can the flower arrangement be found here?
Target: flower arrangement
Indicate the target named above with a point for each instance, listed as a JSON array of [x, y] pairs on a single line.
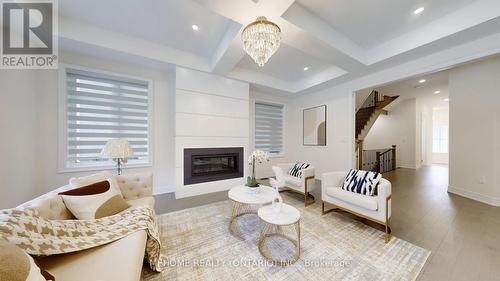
[[258, 156]]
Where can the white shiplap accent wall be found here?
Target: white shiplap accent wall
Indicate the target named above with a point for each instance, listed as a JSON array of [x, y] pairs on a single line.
[[210, 111]]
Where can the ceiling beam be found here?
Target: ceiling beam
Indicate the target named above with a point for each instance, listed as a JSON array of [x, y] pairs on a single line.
[[315, 26], [467, 17], [81, 32], [261, 79], [229, 51]]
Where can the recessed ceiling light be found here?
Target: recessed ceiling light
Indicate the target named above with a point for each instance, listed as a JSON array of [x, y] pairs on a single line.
[[422, 81], [195, 27], [437, 92], [306, 68], [419, 10], [446, 99]]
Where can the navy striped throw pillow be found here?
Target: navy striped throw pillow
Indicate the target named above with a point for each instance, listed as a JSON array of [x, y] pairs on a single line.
[[362, 182], [296, 170]]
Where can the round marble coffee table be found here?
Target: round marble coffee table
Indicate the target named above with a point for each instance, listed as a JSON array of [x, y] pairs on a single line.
[[246, 200], [275, 222]]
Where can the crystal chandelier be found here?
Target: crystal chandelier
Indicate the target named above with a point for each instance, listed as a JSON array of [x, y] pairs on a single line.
[[261, 39]]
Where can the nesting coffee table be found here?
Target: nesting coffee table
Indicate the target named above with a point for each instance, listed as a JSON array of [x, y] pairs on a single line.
[[274, 221], [247, 200]]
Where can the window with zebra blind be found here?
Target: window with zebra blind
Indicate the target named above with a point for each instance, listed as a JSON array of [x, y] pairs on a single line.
[[269, 120], [102, 106]]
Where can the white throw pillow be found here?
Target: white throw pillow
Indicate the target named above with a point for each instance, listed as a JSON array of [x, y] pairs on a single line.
[[86, 207], [97, 177]]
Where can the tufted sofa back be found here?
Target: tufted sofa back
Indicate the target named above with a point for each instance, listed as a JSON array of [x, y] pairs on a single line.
[[51, 206], [136, 186]]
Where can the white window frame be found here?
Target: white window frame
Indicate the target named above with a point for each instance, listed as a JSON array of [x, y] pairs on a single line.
[[440, 139], [62, 121], [283, 151]]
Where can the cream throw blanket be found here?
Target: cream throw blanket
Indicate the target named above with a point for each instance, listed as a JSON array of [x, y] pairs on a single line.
[[40, 236]]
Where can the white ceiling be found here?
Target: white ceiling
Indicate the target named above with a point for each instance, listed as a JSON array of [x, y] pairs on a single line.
[[287, 64], [339, 40], [424, 92], [370, 23], [158, 21]]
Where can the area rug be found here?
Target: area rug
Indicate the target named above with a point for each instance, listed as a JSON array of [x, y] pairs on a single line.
[[198, 246]]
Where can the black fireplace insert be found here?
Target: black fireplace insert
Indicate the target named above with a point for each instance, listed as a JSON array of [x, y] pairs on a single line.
[[212, 164]]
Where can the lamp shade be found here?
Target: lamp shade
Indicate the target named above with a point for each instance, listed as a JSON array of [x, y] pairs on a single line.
[[117, 148]]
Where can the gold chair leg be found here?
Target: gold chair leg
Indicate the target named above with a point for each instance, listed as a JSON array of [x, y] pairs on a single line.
[[388, 230], [305, 197], [323, 212], [306, 193]]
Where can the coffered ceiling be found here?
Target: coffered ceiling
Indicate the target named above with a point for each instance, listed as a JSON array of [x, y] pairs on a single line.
[[371, 23], [337, 40]]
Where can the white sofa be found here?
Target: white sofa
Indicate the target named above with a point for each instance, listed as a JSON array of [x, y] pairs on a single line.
[[375, 208], [300, 185], [121, 260]]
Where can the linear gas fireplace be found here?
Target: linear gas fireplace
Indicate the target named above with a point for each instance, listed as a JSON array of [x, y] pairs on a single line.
[[212, 164]]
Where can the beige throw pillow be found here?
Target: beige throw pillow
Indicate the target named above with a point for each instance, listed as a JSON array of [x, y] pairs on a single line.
[[94, 201], [16, 265], [97, 177]]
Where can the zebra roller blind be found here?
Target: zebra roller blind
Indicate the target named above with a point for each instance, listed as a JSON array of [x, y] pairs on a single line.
[[101, 107], [269, 128]]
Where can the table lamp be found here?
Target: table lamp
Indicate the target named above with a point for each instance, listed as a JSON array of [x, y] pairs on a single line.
[[118, 150]]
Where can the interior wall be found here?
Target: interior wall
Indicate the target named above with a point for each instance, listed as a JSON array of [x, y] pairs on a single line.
[[18, 101], [398, 127], [336, 155], [475, 131], [264, 170], [210, 111], [29, 111]]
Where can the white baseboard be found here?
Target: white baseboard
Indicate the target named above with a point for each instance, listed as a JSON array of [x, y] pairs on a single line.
[[494, 201], [407, 166], [163, 189]]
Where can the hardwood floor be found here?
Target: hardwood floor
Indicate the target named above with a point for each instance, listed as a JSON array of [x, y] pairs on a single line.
[[463, 235]]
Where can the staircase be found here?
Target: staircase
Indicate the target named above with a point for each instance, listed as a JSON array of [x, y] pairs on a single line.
[[366, 116]]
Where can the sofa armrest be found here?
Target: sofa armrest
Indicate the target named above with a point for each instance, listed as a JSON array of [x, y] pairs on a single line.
[[136, 186], [308, 172], [285, 167], [331, 179], [384, 190]]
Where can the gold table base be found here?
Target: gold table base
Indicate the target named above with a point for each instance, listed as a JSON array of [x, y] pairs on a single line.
[[268, 230], [239, 210]]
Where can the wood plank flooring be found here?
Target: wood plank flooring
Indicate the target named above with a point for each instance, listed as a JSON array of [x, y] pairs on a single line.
[[463, 235]]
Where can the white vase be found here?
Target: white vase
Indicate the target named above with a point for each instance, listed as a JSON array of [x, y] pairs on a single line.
[[253, 190]]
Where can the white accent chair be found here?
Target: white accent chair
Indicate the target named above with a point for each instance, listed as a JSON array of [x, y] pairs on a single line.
[[374, 208], [300, 185]]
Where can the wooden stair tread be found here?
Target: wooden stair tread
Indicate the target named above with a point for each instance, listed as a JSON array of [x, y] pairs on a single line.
[[363, 115]]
